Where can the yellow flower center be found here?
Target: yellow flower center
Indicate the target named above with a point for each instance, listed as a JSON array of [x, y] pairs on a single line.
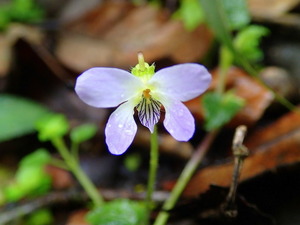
[[146, 94]]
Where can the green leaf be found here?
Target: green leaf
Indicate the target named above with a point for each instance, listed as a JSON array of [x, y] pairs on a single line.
[[18, 116], [4, 16], [20, 11], [52, 126], [247, 42], [220, 109], [30, 178], [40, 217], [237, 13], [119, 212], [216, 18], [191, 13], [33, 180], [13, 192], [26, 11], [83, 133], [38, 158]]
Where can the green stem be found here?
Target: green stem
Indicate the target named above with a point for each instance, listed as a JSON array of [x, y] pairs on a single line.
[[74, 150], [82, 178], [59, 163], [153, 167], [184, 178], [225, 61], [222, 73]]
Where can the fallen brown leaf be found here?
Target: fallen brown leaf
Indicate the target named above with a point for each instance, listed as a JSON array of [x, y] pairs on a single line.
[[271, 147], [78, 218], [107, 36], [61, 179], [270, 8], [8, 39]]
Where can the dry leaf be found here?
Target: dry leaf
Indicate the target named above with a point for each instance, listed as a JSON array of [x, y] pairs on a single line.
[[270, 8], [271, 147], [77, 218], [61, 179], [114, 38], [8, 39]]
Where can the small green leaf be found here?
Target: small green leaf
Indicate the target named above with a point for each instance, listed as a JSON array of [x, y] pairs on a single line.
[[191, 13], [83, 133], [30, 178], [40, 217], [247, 42], [237, 13], [52, 126], [13, 192], [33, 180], [119, 212], [18, 116], [220, 109], [40, 157]]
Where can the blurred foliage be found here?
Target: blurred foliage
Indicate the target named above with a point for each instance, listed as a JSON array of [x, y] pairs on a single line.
[[30, 178], [83, 133], [237, 14], [223, 16], [247, 42], [190, 12], [220, 108], [119, 212], [40, 217], [25, 11], [18, 116], [52, 126]]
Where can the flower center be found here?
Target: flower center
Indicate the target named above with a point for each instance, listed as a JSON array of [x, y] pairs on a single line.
[[146, 94], [148, 110]]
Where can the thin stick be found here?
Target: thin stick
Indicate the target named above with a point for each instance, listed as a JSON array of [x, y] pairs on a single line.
[[240, 152]]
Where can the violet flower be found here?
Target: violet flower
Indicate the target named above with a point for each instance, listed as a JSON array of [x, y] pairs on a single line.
[[145, 91]]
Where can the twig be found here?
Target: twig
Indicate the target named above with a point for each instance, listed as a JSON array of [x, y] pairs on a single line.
[[240, 152]]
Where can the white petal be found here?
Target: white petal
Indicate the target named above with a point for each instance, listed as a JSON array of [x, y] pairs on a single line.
[[121, 128], [179, 121], [106, 87], [182, 82]]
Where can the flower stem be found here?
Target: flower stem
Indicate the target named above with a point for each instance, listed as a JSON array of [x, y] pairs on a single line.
[[74, 167], [225, 61], [184, 178], [153, 167]]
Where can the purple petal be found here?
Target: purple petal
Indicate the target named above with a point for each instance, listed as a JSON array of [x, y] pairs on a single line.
[[179, 121], [182, 82], [120, 128], [106, 87]]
